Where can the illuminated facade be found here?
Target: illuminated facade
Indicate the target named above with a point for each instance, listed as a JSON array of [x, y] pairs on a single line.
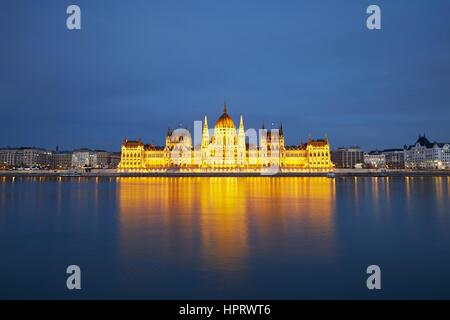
[[427, 155], [226, 148]]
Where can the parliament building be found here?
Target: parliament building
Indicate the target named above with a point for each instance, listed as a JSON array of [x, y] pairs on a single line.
[[226, 148]]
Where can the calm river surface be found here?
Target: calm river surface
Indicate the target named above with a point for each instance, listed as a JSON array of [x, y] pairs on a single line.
[[213, 238]]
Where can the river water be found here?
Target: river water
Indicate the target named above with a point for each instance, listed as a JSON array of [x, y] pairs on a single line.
[[225, 238]]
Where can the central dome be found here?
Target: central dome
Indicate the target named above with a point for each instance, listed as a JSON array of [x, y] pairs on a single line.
[[225, 120]]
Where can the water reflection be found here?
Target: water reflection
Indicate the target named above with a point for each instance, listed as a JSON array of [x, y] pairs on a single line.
[[227, 237], [225, 221]]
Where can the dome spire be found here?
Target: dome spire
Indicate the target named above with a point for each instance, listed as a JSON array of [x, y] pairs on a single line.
[[225, 120]]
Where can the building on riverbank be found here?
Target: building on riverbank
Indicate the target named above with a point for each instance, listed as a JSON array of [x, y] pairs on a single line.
[[8, 157], [25, 157], [98, 159], [39, 158], [226, 147], [347, 158], [62, 159], [84, 158], [427, 155], [114, 160], [395, 158], [102, 158], [375, 159]]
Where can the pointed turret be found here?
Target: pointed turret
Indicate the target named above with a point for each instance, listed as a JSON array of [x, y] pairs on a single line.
[[205, 123], [205, 134], [241, 133], [168, 136], [205, 142], [241, 152], [281, 137], [225, 109]]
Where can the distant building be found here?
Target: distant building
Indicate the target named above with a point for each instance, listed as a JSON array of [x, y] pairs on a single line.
[[114, 160], [427, 155], [375, 159], [34, 158], [8, 157], [62, 159], [103, 159], [351, 157], [84, 158], [395, 158], [25, 157]]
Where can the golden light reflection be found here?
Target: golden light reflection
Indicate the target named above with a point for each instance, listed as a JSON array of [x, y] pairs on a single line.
[[221, 218], [388, 192], [438, 184], [375, 193], [408, 192], [58, 196], [448, 186], [3, 194]]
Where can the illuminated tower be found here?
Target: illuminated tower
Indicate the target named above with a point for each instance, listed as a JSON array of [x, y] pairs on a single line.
[[225, 141], [282, 150], [263, 157], [273, 147], [241, 150], [205, 143], [169, 133]]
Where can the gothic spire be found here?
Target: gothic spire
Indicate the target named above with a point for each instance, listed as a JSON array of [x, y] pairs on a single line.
[[241, 123]]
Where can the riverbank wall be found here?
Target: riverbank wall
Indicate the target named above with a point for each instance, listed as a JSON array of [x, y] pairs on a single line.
[[117, 173]]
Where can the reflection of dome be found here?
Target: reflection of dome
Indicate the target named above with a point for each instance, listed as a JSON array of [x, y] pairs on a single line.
[[225, 120]]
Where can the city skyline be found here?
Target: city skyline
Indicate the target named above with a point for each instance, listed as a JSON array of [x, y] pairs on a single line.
[[61, 148], [274, 126]]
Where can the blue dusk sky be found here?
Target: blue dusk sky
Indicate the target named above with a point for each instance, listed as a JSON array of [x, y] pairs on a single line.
[[137, 67]]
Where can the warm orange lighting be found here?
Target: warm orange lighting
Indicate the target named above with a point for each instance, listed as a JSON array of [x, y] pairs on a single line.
[[226, 151], [216, 213]]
